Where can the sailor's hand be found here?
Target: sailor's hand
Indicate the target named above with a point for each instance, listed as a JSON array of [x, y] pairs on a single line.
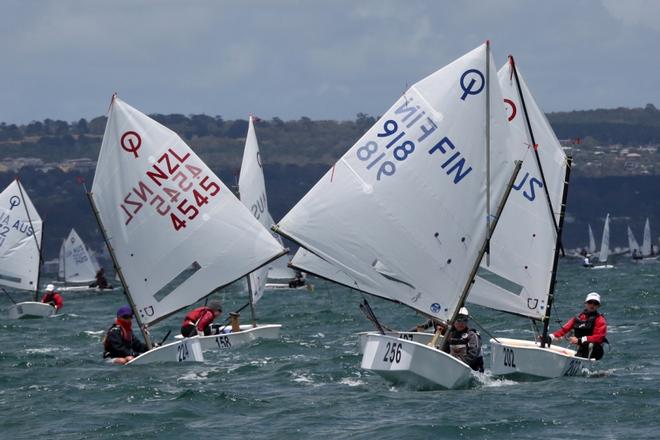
[[573, 340]]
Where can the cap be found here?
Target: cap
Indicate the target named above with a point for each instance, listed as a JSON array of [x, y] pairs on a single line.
[[463, 314], [50, 288], [125, 311], [593, 296], [215, 305]]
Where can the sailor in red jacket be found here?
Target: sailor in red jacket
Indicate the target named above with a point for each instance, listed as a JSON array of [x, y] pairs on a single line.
[[589, 329], [199, 320], [52, 297]]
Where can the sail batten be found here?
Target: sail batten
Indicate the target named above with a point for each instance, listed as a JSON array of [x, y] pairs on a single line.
[[162, 208]]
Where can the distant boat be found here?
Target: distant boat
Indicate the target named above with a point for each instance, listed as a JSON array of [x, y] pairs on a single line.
[[604, 247], [77, 265], [645, 254], [20, 250]]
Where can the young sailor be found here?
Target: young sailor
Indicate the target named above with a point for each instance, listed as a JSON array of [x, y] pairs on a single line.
[[101, 282], [199, 320], [465, 343], [52, 297], [120, 343], [589, 328]]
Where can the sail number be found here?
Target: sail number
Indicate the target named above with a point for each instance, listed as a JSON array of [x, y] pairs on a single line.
[[509, 358], [174, 188], [182, 352], [392, 352], [397, 140], [223, 342]]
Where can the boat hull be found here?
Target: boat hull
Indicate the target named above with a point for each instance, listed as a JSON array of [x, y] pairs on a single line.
[[604, 266], [229, 341], [31, 309], [407, 362], [185, 350], [421, 337], [527, 358], [285, 286]]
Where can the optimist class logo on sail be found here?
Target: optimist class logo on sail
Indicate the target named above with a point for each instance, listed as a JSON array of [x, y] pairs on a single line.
[[172, 186]]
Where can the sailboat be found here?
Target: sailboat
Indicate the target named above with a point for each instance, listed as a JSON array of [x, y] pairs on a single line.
[[604, 247], [77, 265], [647, 251], [592, 242], [633, 246], [20, 250], [174, 231], [524, 251], [445, 141]]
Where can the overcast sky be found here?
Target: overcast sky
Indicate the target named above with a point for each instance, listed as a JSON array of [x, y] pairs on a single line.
[[322, 59]]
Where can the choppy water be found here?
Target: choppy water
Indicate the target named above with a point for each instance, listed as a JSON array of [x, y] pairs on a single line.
[[54, 384]]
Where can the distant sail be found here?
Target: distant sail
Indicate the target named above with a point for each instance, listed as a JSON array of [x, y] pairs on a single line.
[[77, 265], [646, 241], [177, 231], [522, 249], [632, 242], [605, 242], [403, 212], [592, 241], [19, 251]]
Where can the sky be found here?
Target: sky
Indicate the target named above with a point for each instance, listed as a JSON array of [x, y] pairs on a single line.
[[321, 59]]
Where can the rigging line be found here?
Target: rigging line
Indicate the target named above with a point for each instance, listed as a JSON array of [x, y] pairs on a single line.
[[8, 295], [484, 329], [369, 310]]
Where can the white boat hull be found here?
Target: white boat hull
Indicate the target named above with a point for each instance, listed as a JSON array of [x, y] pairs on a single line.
[[185, 350], [646, 260], [515, 356], [421, 337], [411, 363], [604, 266], [285, 286], [31, 309], [229, 341], [83, 289]]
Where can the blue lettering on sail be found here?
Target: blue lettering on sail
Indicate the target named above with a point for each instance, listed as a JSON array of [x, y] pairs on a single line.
[[529, 193], [468, 80], [457, 165]]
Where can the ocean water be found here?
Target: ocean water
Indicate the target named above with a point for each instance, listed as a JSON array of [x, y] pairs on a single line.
[[54, 384]]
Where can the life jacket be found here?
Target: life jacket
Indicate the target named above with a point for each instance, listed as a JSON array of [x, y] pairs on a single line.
[[106, 344], [194, 316], [460, 340], [585, 327], [49, 297]]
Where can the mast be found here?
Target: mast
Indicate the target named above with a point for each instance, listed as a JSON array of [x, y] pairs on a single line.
[[536, 153], [127, 292], [36, 241], [488, 234], [551, 290], [482, 251]]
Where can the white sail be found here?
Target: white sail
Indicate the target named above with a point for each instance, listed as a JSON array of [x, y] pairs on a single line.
[[403, 212], [605, 242], [252, 191], [177, 232], [592, 241], [19, 251], [309, 262], [632, 242], [76, 262], [646, 241], [516, 276]]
